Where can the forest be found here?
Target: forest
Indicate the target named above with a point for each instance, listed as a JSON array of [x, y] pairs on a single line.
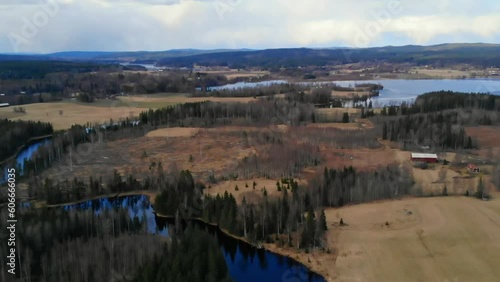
[[72, 244], [16, 134]]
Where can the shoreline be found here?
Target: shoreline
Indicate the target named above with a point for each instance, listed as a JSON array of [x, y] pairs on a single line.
[[22, 147], [152, 197]]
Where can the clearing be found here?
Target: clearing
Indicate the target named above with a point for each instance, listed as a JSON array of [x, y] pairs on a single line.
[[173, 132]]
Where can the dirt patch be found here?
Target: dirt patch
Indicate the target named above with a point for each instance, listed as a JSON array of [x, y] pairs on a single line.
[[173, 132]]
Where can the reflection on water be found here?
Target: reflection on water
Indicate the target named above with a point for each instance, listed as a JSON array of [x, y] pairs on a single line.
[[396, 90], [25, 153], [244, 262]]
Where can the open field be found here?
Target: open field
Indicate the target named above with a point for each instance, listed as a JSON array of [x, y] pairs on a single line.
[[441, 73], [363, 159], [413, 239], [161, 100], [230, 74], [486, 136], [63, 115], [203, 153], [335, 114], [173, 132], [337, 125], [349, 94], [488, 139], [443, 239], [250, 195]]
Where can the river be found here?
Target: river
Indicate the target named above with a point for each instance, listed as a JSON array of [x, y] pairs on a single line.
[[26, 153], [244, 261]]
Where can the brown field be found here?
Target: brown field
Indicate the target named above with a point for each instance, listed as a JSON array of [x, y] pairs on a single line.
[[102, 110], [173, 132], [230, 74], [441, 73], [338, 125], [72, 113], [172, 99], [358, 124], [487, 136], [335, 114], [363, 159], [210, 151], [349, 94], [488, 139], [442, 239], [250, 195]]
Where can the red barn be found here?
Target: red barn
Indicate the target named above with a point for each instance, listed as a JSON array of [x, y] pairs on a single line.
[[425, 158]]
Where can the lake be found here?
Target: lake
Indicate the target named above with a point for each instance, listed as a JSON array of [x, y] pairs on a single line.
[[397, 90], [244, 261]]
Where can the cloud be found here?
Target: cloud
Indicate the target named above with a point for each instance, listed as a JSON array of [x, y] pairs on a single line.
[[167, 24]]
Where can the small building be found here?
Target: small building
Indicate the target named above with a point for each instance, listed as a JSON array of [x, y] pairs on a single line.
[[4, 105], [426, 158], [472, 168]]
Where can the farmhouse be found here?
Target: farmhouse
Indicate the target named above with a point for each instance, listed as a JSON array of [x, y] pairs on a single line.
[[427, 158], [472, 168]]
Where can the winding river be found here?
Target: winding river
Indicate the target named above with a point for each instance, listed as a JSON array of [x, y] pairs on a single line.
[[244, 261], [26, 153]]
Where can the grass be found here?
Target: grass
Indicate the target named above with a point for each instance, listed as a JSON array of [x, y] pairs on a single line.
[[102, 110], [443, 239]]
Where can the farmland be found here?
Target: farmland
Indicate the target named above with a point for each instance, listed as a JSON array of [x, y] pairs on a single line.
[[448, 238], [64, 114]]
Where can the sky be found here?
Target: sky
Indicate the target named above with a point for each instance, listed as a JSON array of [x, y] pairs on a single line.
[[45, 26]]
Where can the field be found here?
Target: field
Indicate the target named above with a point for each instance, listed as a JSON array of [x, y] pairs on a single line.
[[230, 74], [441, 73], [250, 195], [201, 151], [443, 239], [349, 94], [414, 239], [335, 114], [154, 100], [173, 132], [63, 115]]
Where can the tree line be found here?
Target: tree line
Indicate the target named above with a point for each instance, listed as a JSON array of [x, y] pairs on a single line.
[[16, 134]]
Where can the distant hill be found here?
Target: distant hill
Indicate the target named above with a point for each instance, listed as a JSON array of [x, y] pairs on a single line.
[[137, 57], [478, 54]]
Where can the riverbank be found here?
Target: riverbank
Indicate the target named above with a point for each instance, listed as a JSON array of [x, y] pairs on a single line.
[[150, 194], [299, 256], [22, 147]]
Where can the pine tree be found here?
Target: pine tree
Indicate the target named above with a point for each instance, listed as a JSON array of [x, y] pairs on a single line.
[[322, 220], [480, 189], [384, 131]]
